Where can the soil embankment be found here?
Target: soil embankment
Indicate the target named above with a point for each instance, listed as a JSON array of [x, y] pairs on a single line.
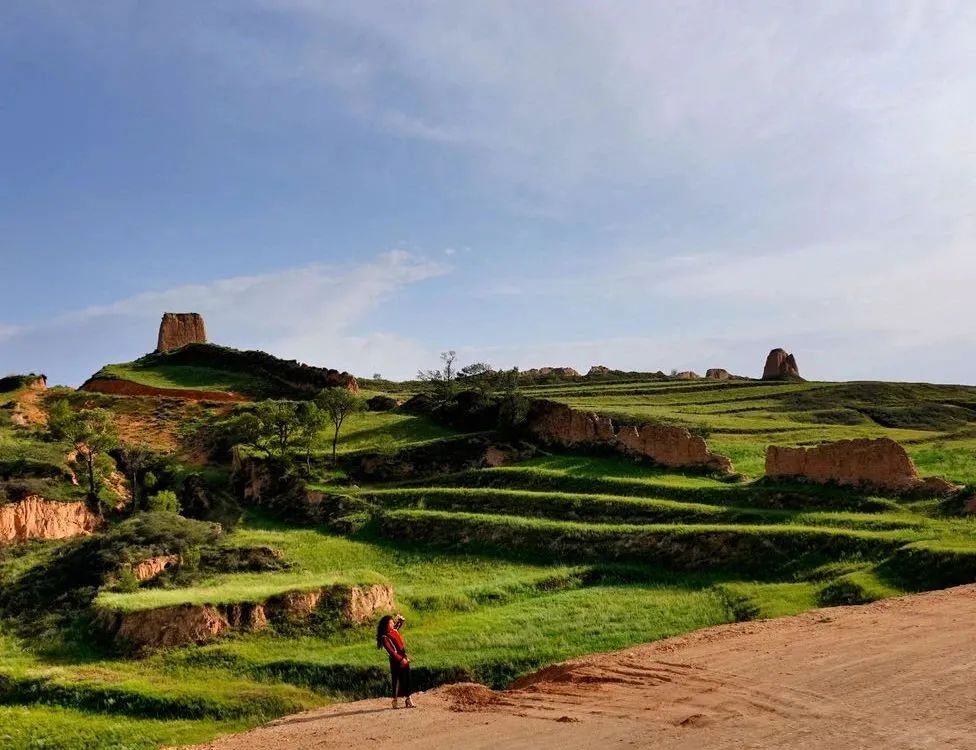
[[895, 674], [182, 624], [37, 518]]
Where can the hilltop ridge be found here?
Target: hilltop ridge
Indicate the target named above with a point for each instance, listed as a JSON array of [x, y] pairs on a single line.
[[219, 369]]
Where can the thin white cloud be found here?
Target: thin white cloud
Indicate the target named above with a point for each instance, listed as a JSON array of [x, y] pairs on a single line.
[[848, 311], [555, 96], [794, 173], [309, 313]]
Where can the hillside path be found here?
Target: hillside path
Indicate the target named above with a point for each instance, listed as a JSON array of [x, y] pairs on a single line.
[[896, 674]]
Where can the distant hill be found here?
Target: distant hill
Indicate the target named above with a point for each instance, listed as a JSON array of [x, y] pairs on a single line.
[[208, 370]]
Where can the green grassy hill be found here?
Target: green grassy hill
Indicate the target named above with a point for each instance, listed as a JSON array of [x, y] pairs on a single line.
[[209, 367], [502, 570]]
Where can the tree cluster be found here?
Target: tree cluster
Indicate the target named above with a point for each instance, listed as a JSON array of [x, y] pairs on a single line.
[[282, 428], [445, 383]]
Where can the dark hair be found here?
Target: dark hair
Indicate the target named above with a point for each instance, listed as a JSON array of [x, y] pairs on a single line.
[[381, 629]]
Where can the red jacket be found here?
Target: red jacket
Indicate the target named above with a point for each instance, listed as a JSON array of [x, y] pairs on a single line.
[[393, 643]]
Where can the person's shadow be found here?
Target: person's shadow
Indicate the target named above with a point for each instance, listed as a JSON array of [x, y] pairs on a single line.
[[325, 717]]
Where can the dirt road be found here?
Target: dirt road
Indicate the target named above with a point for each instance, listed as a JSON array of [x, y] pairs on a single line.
[[896, 674]]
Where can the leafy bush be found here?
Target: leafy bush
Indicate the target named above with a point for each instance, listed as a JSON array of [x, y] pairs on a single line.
[[22, 467], [68, 577], [164, 501], [125, 581]]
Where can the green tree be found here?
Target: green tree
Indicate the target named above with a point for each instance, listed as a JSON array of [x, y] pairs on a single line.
[[61, 420], [218, 436], [278, 424], [135, 456], [338, 404], [163, 501], [442, 384], [480, 376], [311, 421], [483, 377], [94, 435]]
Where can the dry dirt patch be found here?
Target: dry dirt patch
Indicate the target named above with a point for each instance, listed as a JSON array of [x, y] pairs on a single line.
[[896, 674]]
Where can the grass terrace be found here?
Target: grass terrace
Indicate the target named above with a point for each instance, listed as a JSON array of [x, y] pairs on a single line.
[[185, 377]]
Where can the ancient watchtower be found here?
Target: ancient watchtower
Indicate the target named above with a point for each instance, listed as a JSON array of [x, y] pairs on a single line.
[[180, 329]]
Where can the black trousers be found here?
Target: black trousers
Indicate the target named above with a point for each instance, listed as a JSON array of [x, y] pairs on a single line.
[[400, 677]]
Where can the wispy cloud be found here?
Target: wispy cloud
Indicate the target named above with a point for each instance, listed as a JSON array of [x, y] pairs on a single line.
[[696, 173], [7, 331], [557, 96], [309, 313]]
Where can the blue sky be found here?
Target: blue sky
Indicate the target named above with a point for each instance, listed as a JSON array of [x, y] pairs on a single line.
[[362, 184]]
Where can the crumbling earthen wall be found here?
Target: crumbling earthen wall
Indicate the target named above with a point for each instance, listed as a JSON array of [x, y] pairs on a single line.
[[666, 445], [781, 365], [878, 464]]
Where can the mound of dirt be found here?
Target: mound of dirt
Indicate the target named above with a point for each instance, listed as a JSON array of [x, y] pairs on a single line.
[[29, 407], [470, 696], [152, 567]]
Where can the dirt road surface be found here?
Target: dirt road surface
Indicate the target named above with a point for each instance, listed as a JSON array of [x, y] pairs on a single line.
[[900, 673]]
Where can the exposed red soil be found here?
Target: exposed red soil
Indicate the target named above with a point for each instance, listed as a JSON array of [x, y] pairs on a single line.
[[37, 518], [896, 674], [118, 387], [29, 407]]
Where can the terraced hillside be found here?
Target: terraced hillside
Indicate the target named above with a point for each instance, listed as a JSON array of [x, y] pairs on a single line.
[[500, 570], [545, 560], [935, 423]]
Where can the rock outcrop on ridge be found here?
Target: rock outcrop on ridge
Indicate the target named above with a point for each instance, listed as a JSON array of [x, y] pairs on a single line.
[[781, 365], [176, 330]]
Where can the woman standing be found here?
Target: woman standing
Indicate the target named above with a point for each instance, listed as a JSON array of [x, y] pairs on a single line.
[[388, 637]]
